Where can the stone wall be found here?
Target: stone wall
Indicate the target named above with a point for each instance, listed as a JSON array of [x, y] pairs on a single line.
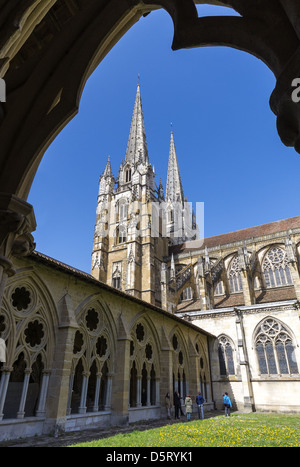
[[90, 350]]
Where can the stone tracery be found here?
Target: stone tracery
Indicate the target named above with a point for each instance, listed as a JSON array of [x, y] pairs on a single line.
[[275, 348]]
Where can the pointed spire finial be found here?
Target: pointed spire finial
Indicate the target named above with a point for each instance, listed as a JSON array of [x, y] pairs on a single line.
[[137, 145], [107, 171], [174, 191]]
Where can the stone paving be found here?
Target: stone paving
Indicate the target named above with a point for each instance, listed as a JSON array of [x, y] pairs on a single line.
[[68, 439]]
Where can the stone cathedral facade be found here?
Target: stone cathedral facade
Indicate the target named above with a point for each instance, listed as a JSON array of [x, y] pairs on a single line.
[[162, 311], [243, 287], [136, 222]]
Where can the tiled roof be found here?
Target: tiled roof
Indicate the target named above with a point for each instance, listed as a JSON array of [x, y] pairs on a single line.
[[240, 235], [277, 294]]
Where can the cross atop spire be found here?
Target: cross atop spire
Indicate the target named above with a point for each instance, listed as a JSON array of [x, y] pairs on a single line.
[[174, 191], [137, 145]]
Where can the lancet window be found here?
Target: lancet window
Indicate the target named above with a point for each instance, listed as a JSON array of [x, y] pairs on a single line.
[[275, 268], [219, 290], [117, 275], [121, 234], [127, 175], [275, 349], [234, 276], [187, 294], [226, 360]]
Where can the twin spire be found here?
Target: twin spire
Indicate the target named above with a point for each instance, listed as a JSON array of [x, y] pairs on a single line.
[[137, 152], [174, 191]]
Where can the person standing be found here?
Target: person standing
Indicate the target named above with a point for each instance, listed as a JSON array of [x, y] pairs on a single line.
[[188, 406], [227, 404], [200, 401], [177, 404], [168, 405]]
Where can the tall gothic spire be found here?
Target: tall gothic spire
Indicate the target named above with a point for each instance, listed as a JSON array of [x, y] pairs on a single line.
[[137, 145], [174, 191]]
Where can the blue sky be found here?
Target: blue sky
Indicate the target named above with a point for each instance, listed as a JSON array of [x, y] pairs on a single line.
[[229, 153]]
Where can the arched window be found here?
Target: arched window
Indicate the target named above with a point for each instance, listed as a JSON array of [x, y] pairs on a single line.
[[127, 175], [225, 353], [234, 276], [123, 209], [117, 275], [275, 268], [275, 349], [219, 290], [121, 234], [187, 294]]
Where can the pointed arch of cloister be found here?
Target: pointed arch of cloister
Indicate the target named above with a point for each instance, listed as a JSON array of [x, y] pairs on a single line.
[[28, 319]]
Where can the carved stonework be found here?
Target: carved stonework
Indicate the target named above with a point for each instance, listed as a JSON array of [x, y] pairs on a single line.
[[16, 224]]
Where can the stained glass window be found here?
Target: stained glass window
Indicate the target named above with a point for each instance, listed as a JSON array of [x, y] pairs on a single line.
[[274, 348], [225, 352], [234, 275], [275, 268]]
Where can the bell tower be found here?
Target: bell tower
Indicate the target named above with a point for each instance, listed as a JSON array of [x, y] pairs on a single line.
[[125, 254]]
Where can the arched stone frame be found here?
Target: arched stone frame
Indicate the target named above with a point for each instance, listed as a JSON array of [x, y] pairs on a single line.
[[271, 281], [30, 319], [204, 368], [180, 362], [59, 103], [143, 334], [272, 331], [95, 327], [227, 357], [44, 92]]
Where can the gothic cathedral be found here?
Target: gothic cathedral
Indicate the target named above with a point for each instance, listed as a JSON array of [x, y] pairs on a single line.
[[136, 223]]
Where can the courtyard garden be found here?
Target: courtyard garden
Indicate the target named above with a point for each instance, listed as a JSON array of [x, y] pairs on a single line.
[[238, 430]]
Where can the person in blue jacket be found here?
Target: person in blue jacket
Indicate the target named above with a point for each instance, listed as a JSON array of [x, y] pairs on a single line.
[[227, 404], [200, 401]]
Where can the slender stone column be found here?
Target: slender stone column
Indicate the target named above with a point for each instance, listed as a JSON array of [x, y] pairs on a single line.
[[21, 411], [85, 382], [3, 388], [148, 392], [139, 392], [43, 393], [157, 391], [97, 392], [107, 405]]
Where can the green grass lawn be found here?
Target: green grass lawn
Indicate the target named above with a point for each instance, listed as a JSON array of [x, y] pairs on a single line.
[[239, 430]]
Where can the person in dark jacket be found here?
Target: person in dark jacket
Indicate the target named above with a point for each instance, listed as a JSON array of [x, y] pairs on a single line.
[[177, 404], [200, 401]]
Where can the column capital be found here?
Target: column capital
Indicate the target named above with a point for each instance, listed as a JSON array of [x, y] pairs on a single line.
[[17, 221]]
